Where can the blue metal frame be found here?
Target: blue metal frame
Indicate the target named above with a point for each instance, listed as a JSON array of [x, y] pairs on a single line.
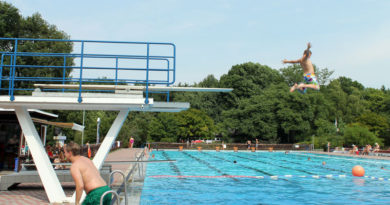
[[15, 55]]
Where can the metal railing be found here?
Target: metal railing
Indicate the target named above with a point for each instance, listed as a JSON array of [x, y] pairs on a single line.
[[136, 166], [18, 60], [107, 192], [140, 165], [124, 181], [229, 146]]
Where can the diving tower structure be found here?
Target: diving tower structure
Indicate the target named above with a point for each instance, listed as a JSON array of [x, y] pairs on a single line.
[[97, 75]]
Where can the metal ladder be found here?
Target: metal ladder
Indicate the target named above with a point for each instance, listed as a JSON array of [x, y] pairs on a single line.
[[107, 192], [112, 191]]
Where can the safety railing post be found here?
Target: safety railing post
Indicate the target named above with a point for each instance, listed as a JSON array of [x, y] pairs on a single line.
[[81, 71], [167, 71], [1, 69], [140, 165], [124, 181], [10, 73], [64, 74], [116, 71], [139, 170], [147, 74], [174, 64], [12, 98], [167, 79]]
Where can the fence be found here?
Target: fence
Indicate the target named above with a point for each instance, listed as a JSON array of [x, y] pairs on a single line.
[[229, 146]]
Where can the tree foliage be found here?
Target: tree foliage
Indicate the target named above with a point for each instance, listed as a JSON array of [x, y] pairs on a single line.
[[343, 112], [13, 25], [360, 136]]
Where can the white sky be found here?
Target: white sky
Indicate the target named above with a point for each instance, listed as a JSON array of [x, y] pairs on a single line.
[[351, 37]]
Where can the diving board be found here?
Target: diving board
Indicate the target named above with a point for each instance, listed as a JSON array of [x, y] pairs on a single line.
[[63, 91], [129, 87]]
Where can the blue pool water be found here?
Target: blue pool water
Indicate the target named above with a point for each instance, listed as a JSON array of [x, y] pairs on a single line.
[[332, 183]]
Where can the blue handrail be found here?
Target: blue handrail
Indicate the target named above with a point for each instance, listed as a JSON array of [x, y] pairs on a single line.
[[12, 66]]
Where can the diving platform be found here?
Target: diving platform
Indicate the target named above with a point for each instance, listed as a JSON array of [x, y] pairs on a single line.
[[133, 88], [96, 75], [109, 102]]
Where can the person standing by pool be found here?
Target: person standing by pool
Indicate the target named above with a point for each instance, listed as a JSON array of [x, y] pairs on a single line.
[[369, 148], [257, 143], [131, 142], [86, 177], [249, 144], [309, 77], [223, 145], [377, 147]]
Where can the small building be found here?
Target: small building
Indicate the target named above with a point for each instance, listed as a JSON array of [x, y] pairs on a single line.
[[12, 142]]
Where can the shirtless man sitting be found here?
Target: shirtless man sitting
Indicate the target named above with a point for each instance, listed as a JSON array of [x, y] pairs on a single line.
[[308, 69], [86, 177]]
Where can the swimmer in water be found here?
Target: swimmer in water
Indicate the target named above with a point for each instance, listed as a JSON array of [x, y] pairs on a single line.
[[384, 168]]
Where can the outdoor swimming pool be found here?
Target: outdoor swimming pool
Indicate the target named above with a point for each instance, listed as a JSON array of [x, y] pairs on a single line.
[[211, 177]]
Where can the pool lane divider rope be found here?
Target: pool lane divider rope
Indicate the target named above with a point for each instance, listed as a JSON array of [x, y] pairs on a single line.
[[297, 163], [241, 165], [329, 176], [265, 162], [201, 161], [172, 165]]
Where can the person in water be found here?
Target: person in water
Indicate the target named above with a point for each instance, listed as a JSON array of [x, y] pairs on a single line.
[[309, 78]]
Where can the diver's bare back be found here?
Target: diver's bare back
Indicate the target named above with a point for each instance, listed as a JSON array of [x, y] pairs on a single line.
[[91, 176]]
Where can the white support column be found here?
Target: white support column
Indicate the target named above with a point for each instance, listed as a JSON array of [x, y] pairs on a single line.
[[105, 147], [110, 139], [49, 179]]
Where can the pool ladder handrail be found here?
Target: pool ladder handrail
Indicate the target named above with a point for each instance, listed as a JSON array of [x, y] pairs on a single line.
[[124, 180], [107, 192], [138, 164]]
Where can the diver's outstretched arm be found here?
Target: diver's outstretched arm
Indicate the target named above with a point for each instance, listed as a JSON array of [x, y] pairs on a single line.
[[291, 61]]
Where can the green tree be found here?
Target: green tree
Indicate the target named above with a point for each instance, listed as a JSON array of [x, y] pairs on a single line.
[[376, 123], [292, 74], [164, 125], [13, 25], [247, 79], [347, 84], [195, 124], [325, 128], [361, 136], [375, 100], [9, 23], [342, 104]]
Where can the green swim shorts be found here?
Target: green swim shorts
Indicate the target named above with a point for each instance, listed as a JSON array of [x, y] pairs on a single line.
[[93, 197]]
